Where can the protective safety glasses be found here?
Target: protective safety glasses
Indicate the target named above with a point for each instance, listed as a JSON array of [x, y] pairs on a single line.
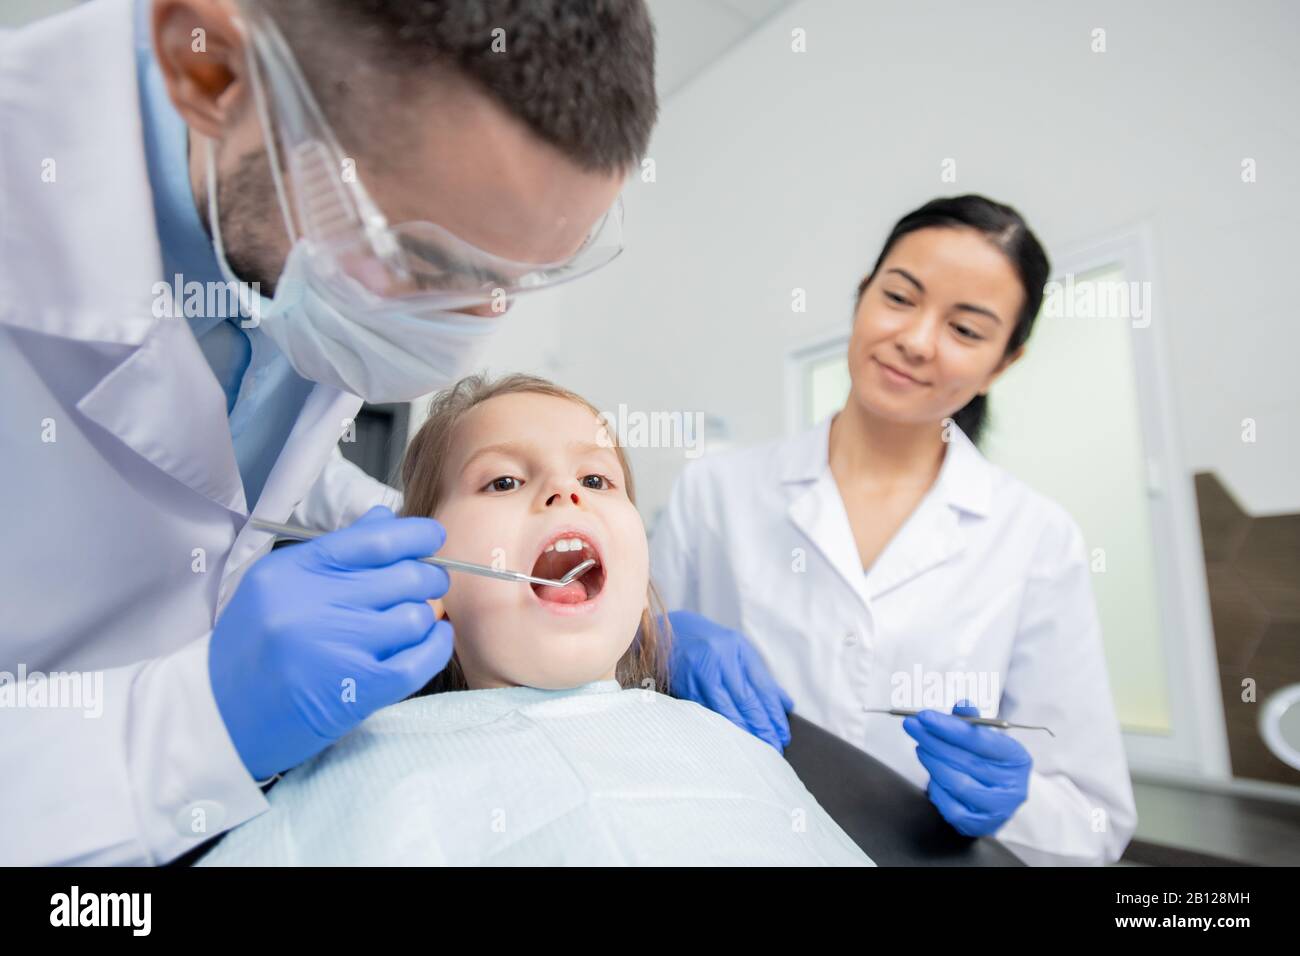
[[355, 257]]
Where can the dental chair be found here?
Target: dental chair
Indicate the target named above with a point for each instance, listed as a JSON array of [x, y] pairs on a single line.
[[886, 815]]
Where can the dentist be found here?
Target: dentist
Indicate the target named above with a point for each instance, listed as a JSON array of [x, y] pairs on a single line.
[[878, 560], [226, 224]]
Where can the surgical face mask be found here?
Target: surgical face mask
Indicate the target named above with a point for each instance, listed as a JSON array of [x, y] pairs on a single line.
[[378, 352]]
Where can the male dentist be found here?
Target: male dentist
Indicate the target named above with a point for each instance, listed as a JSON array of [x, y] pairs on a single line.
[[372, 183]]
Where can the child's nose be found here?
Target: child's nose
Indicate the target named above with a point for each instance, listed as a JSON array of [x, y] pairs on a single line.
[[573, 496]]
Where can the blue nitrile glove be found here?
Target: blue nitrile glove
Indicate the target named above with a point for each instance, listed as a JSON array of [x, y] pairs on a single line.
[[320, 635], [978, 775], [718, 668]]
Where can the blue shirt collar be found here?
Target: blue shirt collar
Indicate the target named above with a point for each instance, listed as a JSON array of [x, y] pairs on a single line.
[[185, 244]]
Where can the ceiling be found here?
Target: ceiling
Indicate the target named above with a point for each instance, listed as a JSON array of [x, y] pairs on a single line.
[[692, 35]]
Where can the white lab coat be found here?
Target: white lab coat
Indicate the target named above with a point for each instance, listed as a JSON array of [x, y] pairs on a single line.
[[986, 577], [124, 527]]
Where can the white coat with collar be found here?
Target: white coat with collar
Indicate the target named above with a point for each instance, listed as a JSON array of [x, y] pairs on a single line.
[[125, 519], [984, 592]]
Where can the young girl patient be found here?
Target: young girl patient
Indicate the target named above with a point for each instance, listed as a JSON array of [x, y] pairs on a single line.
[[548, 738]]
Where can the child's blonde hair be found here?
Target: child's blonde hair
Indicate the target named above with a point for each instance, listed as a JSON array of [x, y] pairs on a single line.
[[645, 664]]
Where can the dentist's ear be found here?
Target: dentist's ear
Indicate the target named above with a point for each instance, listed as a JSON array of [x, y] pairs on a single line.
[[201, 54]]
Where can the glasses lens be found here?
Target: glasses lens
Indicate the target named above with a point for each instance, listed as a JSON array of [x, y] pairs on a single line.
[[430, 262]]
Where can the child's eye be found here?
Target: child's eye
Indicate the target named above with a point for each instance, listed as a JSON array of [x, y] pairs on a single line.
[[602, 483], [504, 483], [967, 333], [896, 298]]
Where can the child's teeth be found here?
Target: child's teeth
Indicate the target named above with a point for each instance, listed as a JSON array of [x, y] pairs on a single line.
[[565, 544]]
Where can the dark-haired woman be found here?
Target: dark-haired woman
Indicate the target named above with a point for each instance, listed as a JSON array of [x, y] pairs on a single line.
[[879, 561]]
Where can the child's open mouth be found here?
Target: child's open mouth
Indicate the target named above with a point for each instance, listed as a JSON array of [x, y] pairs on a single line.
[[565, 551]]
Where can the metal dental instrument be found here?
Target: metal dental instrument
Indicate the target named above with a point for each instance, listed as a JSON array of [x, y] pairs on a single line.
[[983, 721], [303, 534]]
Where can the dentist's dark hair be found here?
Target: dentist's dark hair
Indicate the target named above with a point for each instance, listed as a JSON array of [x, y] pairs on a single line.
[[1006, 229]]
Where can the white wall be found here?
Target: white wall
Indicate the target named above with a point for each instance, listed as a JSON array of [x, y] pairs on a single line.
[[778, 170], [17, 13]]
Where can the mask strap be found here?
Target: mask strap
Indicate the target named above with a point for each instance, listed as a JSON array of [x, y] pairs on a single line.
[[273, 152]]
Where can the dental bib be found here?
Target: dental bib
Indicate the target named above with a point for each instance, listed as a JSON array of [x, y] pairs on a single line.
[[594, 775]]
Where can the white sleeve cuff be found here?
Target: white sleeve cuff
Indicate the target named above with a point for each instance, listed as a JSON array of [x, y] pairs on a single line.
[[188, 781]]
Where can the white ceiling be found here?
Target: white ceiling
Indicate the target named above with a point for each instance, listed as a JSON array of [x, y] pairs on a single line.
[[692, 35]]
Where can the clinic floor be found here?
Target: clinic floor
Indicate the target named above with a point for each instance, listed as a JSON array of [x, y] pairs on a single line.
[[1178, 826]]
